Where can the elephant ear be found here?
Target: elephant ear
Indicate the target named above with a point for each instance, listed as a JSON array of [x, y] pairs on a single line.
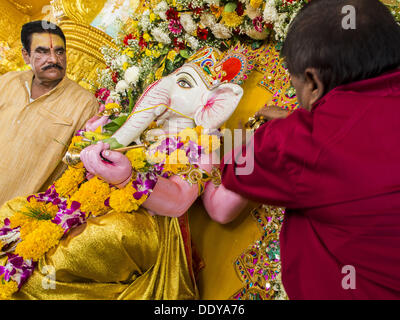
[[221, 104]]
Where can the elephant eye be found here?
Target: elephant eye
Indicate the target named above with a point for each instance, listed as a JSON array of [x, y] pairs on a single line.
[[184, 84]]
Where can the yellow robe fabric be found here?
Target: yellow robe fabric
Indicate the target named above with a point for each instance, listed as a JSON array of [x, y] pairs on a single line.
[[33, 135], [116, 256]]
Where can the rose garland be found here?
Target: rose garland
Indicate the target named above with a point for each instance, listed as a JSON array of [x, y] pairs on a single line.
[[47, 217]]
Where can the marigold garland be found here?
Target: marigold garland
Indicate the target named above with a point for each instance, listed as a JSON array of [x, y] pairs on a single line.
[[27, 224], [137, 157], [35, 244], [47, 217], [91, 195], [176, 161], [210, 143], [69, 182], [122, 200], [7, 289]]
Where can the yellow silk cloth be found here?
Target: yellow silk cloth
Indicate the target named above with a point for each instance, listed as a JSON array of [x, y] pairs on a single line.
[[220, 245], [116, 256], [33, 135]]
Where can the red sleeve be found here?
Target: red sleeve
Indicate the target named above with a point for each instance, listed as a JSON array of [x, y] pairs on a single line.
[[271, 172]]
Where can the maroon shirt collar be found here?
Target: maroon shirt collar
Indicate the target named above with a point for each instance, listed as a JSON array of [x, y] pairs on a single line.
[[386, 84]]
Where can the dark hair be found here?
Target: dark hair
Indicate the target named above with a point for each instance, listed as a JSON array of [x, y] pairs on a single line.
[[317, 39], [40, 26]]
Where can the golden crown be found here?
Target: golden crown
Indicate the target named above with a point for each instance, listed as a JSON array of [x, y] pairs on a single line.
[[216, 67]]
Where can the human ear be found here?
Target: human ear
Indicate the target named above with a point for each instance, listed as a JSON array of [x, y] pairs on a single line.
[[26, 56], [314, 85]]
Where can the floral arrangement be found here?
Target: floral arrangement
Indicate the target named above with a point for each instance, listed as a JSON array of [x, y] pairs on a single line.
[[395, 9], [74, 198], [157, 40]]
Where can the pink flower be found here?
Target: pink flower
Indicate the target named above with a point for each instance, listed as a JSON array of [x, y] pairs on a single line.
[[102, 94], [257, 23], [175, 27]]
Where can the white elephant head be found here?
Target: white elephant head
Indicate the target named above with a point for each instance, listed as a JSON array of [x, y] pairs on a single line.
[[203, 92]]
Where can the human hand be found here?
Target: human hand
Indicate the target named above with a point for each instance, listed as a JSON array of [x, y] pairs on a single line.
[[111, 166], [272, 112]]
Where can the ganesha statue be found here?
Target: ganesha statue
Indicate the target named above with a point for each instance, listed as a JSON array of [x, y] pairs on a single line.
[[115, 225], [202, 93]]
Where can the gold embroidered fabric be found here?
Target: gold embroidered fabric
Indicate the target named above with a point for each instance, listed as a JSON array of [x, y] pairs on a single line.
[[116, 256], [259, 266], [195, 175], [276, 78]]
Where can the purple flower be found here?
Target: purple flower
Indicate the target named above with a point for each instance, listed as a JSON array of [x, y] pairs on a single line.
[[9, 236], [6, 229], [194, 152], [50, 195], [169, 145], [17, 269], [70, 218]]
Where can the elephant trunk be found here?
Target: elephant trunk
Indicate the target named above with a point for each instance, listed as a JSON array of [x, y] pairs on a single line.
[[151, 104]]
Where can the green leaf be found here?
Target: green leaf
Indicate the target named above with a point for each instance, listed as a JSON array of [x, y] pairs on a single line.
[[184, 54], [169, 66], [117, 123], [230, 7], [113, 143]]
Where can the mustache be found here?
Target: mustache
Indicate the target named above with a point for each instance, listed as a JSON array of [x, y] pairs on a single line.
[[52, 66]]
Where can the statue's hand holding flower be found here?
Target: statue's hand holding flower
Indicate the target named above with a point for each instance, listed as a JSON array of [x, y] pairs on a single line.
[[111, 166]]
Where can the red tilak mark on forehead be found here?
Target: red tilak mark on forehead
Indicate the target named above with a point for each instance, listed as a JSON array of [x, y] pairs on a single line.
[[51, 41]]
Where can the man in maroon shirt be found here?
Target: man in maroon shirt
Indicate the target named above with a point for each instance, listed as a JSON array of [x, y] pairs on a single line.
[[335, 163]]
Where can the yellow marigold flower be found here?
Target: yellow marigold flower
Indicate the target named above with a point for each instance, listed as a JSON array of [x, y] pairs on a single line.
[[7, 289], [68, 183], [156, 53], [256, 3], [128, 52], [171, 55], [157, 157], [39, 241], [135, 23], [76, 139], [146, 37], [91, 195], [19, 220], [152, 17], [188, 134], [231, 19], [160, 45], [28, 228], [125, 66], [122, 200], [137, 157], [148, 52], [28, 217], [40, 209], [209, 143], [111, 106], [176, 162]]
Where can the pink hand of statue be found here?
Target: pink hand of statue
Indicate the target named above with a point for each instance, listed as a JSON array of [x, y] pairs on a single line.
[[96, 122], [111, 166]]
